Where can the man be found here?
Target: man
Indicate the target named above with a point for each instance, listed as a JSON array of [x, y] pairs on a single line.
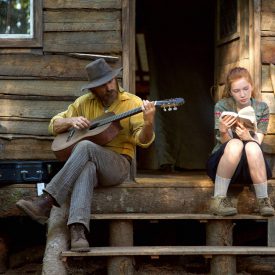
[[89, 164]]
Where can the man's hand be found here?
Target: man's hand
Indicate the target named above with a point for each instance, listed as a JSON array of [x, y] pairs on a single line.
[[147, 132], [63, 124], [79, 122], [149, 110]]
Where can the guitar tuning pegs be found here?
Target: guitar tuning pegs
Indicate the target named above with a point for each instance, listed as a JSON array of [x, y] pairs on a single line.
[[175, 108]]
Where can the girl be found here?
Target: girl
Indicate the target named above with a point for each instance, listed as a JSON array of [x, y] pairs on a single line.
[[238, 157]]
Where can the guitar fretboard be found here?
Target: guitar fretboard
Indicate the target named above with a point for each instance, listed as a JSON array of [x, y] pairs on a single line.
[[115, 118]]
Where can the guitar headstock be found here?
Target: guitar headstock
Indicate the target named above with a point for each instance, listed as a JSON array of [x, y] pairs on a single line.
[[170, 104]]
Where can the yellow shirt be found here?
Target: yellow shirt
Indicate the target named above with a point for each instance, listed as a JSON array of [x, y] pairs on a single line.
[[90, 107]]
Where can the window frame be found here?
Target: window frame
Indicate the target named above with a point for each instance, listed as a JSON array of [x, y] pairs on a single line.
[[229, 37], [27, 42]]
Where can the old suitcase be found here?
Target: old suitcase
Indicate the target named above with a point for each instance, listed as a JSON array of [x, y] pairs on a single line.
[[28, 171]]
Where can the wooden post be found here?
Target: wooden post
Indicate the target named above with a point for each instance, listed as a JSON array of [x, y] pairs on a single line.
[[219, 232], [57, 241], [121, 234], [271, 232]]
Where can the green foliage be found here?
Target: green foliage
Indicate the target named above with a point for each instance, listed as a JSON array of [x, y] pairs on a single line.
[[15, 16]]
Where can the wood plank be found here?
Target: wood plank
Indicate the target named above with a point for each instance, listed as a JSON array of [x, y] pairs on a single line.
[[270, 100], [31, 109], [24, 127], [26, 148], [172, 250], [268, 49], [255, 44], [180, 194], [229, 53], [267, 33], [128, 42], [268, 5], [272, 75], [96, 42], [172, 216], [82, 4], [47, 66], [269, 144], [266, 79], [268, 21], [271, 125], [81, 20], [42, 87]]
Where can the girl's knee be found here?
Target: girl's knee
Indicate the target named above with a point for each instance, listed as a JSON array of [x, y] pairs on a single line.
[[234, 146], [252, 149]]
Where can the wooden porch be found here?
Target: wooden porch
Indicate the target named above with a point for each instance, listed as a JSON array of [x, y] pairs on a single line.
[[153, 197]]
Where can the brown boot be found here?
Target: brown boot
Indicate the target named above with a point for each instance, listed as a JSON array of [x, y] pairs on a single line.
[[39, 208], [222, 206], [265, 207], [78, 238]]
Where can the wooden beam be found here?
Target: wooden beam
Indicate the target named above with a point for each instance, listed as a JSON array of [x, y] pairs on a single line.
[[255, 45], [172, 250], [128, 43]]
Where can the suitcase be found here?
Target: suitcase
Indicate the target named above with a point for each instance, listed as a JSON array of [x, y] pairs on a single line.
[[28, 171]]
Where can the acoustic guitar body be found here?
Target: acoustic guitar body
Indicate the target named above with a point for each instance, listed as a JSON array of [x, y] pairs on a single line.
[[64, 143]]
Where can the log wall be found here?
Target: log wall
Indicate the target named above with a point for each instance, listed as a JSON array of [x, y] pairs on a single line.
[[37, 83], [267, 31]]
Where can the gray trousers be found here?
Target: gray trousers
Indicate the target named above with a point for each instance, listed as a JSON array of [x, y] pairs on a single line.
[[88, 166]]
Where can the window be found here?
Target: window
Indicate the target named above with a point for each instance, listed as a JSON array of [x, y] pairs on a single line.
[[20, 23], [228, 20]]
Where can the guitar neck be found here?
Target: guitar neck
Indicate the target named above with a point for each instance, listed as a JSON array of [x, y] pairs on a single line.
[[116, 117], [169, 103]]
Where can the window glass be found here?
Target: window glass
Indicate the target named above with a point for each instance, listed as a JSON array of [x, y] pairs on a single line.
[[16, 18]]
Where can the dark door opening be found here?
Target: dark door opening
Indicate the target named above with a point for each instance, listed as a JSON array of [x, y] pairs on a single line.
[[175, 58]]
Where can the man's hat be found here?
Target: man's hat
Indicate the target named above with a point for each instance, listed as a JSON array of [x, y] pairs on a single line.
[[99, 73]]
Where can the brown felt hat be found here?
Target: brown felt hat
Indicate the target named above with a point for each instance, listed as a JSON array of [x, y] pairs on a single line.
[[99, 72]]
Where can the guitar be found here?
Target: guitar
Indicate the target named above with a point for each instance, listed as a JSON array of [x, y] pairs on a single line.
[[102, 130]]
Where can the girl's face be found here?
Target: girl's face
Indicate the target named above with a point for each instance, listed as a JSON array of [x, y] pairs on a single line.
[[241, 91]]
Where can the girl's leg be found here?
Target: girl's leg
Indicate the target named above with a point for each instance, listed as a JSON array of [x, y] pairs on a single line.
[[220, 204], [227, 166], [257, 169]]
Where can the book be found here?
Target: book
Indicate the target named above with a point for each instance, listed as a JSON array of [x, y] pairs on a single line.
[[246, 116]]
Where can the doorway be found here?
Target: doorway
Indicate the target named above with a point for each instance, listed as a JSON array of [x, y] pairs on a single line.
[[175, 58]]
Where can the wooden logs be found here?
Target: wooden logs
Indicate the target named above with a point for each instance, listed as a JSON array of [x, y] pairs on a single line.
[[121, 234], [219, 232], [57, 241]]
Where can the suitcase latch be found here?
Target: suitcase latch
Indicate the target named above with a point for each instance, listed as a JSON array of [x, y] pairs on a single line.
[[38, 178]]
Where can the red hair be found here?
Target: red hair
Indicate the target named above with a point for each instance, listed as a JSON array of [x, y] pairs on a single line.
[[235, 74]]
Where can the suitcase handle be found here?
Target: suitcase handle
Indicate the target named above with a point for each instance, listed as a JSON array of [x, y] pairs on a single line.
[[25, 178]]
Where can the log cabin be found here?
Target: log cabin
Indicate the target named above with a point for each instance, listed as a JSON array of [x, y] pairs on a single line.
[[167, 49]]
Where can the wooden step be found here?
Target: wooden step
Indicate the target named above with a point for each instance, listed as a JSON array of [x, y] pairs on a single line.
[[172, 250], [172, 216]]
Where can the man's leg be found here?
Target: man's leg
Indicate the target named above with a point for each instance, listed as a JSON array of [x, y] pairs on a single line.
[[111, 169], [80, 207]]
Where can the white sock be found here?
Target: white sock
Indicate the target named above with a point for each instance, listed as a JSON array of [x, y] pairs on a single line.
[[261, 190], [221, 186]]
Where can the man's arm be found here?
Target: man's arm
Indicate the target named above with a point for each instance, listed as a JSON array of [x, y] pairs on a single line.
[[147, 130], [61, 125]]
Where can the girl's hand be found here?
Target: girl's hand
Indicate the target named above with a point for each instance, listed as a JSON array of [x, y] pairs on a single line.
[[242, 132], [226, 123]]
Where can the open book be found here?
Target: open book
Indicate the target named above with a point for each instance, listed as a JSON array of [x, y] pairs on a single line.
[[246, 116]]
